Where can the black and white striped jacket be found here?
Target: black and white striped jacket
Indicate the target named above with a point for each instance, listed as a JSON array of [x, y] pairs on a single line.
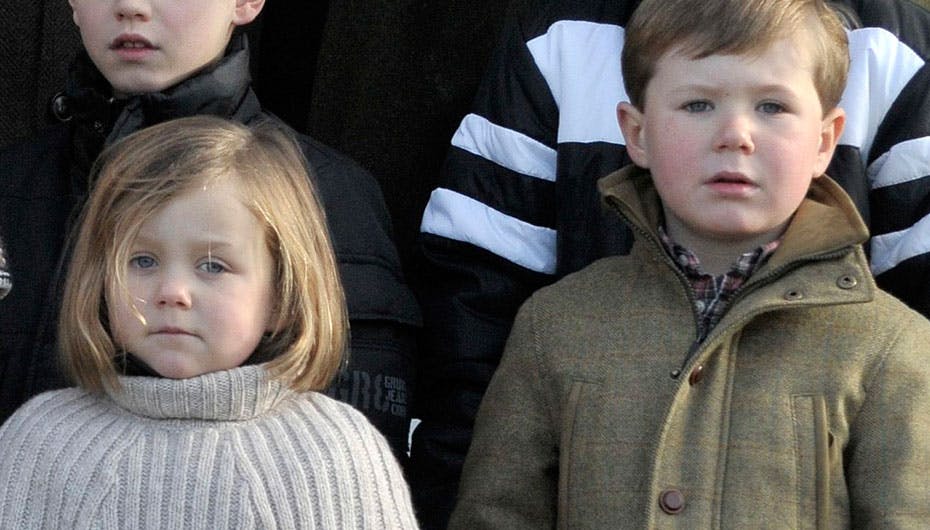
[[517, 206]]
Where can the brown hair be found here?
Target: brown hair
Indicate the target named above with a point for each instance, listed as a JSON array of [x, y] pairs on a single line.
[[139, 175], [701, 28]]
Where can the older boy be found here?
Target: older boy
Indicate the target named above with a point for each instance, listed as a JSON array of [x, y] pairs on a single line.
[[739, 368], [148, 61]]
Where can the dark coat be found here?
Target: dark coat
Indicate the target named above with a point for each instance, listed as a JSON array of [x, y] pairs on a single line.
[[43, 185]]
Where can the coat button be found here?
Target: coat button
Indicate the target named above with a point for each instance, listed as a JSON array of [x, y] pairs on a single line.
[[60, 108], [696, 375], [847, 281], [671, 501]]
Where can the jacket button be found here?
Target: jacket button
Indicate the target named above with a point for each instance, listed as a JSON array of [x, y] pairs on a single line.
[[847, 281], [793, 295], [60, 107], [696, 375], [671, 501]]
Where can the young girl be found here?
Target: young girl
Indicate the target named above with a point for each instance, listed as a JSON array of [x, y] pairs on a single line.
[[202, 315]]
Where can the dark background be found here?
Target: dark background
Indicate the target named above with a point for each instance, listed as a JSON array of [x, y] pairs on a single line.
[[385, 82]]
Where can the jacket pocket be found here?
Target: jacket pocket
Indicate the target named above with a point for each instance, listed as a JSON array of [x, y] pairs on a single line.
[[812, 451], [578, 394]]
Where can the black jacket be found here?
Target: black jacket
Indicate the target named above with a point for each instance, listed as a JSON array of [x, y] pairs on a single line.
[[517, 206], [44, 184]]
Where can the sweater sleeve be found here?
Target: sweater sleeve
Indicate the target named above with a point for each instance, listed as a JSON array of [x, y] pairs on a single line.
[[887, 462], [357, 475], [510, 477], [54, 465], [389, 488]]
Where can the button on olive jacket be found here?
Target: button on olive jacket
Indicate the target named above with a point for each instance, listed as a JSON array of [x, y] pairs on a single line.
[[808, 406]]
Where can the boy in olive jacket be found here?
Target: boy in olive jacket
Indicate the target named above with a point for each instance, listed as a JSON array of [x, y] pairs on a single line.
[[739, 369]]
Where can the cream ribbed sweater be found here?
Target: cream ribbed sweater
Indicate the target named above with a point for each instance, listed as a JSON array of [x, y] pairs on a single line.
[[223, 450]]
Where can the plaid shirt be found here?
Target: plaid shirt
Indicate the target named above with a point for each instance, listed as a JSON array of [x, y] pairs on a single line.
[[713, 294]]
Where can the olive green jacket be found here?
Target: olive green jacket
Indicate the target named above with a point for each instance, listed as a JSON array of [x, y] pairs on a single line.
[[807, 406]]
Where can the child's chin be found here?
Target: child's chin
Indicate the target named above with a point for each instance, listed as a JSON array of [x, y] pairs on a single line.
[[177, 369], [124, 84]]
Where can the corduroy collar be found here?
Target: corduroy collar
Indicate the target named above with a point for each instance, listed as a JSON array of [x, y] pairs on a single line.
[[825, 222]]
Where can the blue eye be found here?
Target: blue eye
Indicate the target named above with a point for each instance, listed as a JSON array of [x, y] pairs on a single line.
[[212, 267], [770, 107], [697, 106], [142, 262]]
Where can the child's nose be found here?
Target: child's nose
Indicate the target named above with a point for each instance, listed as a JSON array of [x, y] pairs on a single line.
[[735, 134], [173, 291], [132, 9]]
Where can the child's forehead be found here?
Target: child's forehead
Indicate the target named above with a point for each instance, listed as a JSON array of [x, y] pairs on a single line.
[[215, 212], [200, 194], [209, 195], [797, 42], [781, 62]]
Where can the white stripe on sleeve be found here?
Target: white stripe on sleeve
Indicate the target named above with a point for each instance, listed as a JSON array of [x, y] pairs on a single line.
[[888, 250], [581, 63], [455, 216], [505, 147], [906, 161], [880, 67]]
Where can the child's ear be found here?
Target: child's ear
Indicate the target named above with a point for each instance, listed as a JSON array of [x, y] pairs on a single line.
[[246, 11], [830, 132], [632, 127], [74, 15]]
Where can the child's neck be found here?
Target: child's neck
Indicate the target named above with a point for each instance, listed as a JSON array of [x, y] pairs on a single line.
[[715, 261], [717, 256]]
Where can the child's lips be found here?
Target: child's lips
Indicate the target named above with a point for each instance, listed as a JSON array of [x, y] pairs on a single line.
[[132, 46], [731, 183], [730, 176], [171, 330]]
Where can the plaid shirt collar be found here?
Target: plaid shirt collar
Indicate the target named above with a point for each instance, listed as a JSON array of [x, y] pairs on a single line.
[[713, 294]]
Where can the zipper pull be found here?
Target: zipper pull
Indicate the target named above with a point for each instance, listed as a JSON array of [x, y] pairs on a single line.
[[695, 346]]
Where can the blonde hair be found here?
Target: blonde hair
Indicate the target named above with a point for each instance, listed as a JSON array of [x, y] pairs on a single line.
[[701, 28], [139, 175]]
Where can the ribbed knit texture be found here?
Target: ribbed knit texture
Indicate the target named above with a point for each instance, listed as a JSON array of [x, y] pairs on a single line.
[[223, 450]]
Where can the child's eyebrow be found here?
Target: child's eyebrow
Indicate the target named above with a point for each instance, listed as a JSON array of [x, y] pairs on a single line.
[[212, 245], [718, 90], [198, 244]]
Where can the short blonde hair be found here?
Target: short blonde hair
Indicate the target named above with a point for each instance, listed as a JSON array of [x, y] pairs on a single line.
[[701, 28], [139, 175]]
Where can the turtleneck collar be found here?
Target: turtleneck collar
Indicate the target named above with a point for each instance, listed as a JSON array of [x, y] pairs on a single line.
[[230, 395]]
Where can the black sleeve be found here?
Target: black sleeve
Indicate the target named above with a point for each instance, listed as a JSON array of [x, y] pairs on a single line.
[[487, 242], [890, 87], [383, 314]]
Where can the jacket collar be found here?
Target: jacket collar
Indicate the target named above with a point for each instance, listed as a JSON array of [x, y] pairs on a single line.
[[825, 234], [825, 223], [99, 119]]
